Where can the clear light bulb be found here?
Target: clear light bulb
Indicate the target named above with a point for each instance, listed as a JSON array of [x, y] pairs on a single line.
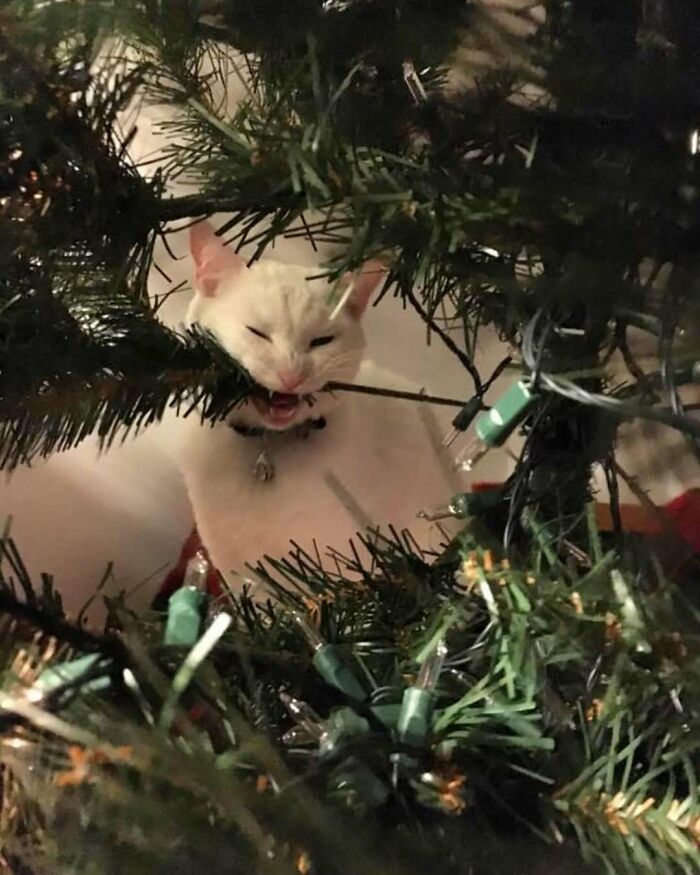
[[471, 454], [299, 736], [458, 507], [310, 632], [304, 715], [430, 671], [413, 82], [440, 512], [197, 572]]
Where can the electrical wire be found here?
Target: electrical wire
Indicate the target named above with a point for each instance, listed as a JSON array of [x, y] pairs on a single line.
[[532, 358], [669, 324], [617, 407], [533, 346], [613, 492], [523, 469]]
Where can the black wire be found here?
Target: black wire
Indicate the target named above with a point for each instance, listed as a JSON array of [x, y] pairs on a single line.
[[669, 324], [613, 492], [539, 359], [576, 520], [533, 346], [622, 344], [466, 361], [523, 466], [498, 370], [532, 359], [523, 469]]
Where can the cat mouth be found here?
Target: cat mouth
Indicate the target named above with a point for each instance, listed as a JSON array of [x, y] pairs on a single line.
[[278, 408]]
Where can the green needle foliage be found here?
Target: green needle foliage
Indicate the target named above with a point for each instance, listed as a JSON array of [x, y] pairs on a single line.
[[562, 737], [81, 349], [550, 192], [557, 181]]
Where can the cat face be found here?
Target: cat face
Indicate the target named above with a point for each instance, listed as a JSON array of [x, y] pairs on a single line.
[[278, 324]]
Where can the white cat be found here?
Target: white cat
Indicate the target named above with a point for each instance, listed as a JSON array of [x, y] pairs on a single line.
[[370, 463], [278, 324]]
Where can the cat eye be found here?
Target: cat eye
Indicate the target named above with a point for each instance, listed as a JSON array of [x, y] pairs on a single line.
[[257, 333], [322, 341]]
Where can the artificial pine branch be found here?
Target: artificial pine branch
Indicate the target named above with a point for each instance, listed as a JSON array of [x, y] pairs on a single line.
[[544, 707], [495, 187], [570, 665], [666, 829]]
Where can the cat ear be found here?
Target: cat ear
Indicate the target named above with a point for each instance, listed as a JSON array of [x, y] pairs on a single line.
[[364, 282], [211, 259]]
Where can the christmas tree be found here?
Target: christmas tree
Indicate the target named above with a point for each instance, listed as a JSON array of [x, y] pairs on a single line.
[[528, 698]]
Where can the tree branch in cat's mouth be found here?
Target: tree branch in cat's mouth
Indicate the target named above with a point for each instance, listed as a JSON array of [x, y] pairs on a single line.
[[278, 407]]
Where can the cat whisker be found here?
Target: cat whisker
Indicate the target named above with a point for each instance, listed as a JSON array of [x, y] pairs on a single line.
[[339, 357], [338, 361]]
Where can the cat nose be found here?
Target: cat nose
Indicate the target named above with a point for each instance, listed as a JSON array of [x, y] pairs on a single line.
[[290, 379]]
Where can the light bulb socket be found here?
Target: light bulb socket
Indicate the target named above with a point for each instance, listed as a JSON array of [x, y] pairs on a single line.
[[185, 614], [415, 716], [329, 663], [71, 672]]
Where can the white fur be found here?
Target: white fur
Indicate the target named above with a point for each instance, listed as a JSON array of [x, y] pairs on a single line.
[[377, 449], [279, 300]]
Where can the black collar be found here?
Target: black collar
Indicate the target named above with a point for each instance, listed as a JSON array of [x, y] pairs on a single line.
[[259, 431]]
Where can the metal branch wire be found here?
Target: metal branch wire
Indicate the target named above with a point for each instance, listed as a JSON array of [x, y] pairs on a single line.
[[394, 393]]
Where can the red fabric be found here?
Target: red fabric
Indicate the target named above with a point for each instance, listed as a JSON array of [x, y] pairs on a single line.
[[485, 487], [684, 513]]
